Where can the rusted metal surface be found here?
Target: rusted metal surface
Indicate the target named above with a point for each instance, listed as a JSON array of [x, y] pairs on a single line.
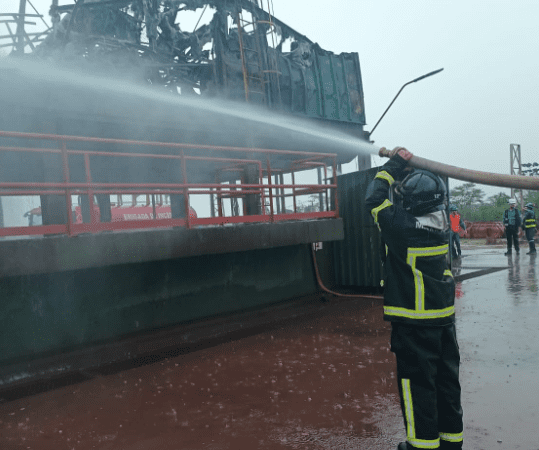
[[489, 230]]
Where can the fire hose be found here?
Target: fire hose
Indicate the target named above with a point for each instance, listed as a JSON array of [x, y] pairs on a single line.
[[337, 294], [458, 173], [474, 176]]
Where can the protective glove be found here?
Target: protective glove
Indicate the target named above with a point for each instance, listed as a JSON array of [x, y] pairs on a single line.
[[402, 152]]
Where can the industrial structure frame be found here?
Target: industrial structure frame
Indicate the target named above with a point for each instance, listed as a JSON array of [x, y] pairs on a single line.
[[516, 169]]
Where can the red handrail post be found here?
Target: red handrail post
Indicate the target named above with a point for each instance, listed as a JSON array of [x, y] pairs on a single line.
[[261, 181], [326, 189], [93, 217], [335, 190], [270, 191], [219, 195], [185, 191], [294, 190], [63, 147], [244, 203]]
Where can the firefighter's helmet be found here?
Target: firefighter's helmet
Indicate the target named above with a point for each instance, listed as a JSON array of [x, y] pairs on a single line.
[[421, 192], [529, 206], [512, 201], [453, 208]]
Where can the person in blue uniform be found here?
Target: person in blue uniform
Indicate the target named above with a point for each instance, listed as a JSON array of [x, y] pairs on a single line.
[[511, 222], [529, 224], [419, 294]]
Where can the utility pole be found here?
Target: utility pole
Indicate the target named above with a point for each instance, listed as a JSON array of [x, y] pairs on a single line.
[[516, 169]]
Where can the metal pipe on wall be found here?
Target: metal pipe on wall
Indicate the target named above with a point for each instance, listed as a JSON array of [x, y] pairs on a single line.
[[473, 176]]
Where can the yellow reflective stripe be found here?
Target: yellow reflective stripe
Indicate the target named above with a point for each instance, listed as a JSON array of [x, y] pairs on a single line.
[[418, 281], [413, 314], [376, 210], [428, 251], [448, 273], [529, 223], [452, 437], [413, 254], [410, 421], [385, 176], [408, 408], [424, 443]]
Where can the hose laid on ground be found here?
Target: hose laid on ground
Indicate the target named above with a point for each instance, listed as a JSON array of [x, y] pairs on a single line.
[[474, 176], [338, 294]]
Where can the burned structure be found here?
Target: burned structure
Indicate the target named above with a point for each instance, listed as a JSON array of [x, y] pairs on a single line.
[[212, 102], [236, 49], [232, 51]]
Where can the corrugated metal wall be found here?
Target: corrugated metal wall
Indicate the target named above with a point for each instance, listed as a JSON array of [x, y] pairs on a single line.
[[328, 87], [356, 259]]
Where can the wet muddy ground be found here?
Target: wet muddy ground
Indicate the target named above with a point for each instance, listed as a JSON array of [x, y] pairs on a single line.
[[322, 382]]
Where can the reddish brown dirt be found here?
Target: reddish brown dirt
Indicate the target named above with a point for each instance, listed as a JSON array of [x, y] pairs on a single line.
[[324, 382]]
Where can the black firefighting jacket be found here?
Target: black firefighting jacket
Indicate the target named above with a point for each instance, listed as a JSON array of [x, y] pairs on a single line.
[[419, 288], [529, 219]]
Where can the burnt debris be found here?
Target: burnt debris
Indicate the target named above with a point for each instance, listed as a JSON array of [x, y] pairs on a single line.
[[233, 49]]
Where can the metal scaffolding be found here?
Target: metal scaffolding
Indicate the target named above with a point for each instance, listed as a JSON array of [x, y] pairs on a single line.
[[516, 169]]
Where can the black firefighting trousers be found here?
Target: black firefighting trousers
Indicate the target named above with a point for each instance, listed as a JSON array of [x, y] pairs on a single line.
[[428, 376]]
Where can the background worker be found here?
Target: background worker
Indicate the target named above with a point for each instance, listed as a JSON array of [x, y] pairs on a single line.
[[457, 224], [529, 225], [512, 221], [419, 295]]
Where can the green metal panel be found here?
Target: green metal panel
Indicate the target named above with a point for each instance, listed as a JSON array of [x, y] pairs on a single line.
[[340, 86], [356, 259], [52, 313], [329, 87]]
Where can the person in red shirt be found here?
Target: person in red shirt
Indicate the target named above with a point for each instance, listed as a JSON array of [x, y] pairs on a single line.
[[456, 225]]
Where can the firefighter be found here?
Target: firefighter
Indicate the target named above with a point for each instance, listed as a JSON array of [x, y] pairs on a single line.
[[529, 225], [512, 221], [456, 225], [419, 295]]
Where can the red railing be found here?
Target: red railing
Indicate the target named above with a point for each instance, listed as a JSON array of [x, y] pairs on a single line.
[[268, 192]]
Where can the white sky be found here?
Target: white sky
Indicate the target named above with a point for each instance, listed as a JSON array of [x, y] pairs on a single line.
[[468, 115]]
